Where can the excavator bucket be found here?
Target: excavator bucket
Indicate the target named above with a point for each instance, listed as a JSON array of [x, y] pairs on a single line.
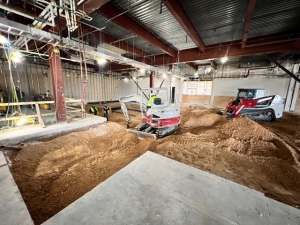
[[141, 134]]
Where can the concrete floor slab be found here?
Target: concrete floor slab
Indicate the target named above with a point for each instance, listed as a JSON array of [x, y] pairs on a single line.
[[13, 210], [157, 190], [11, 137]]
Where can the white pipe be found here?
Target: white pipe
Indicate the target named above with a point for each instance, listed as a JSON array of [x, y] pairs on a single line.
[[52, 16]]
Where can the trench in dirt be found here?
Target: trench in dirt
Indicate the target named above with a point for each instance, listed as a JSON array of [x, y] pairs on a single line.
[[265, 157]]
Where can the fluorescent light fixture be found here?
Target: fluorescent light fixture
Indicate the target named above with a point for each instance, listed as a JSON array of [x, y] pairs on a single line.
[[101, 61], [224, 59]]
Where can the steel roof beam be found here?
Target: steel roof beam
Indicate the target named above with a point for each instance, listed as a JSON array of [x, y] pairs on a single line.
[[91, 5], [179, 14], [248, 20], [129, 24], [193, 65], [283, 68], [191, 55]]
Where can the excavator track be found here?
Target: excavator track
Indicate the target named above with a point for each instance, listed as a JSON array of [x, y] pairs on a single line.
[[162, 132], [253, 115]]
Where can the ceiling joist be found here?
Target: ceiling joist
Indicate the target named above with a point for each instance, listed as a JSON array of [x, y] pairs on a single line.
[[248, 20], [179, 14], [129, 24]]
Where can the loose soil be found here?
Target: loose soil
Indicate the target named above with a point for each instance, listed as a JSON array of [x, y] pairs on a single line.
[[263, 156]]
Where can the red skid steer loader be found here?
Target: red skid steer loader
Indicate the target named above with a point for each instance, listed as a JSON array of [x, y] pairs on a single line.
[[254, 104]]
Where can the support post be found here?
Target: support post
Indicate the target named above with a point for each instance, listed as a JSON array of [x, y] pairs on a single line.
[[38, 112], [57, 84], [152, 79]]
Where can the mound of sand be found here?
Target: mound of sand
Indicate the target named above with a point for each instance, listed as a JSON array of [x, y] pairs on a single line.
[[205, 120], [246, 129]]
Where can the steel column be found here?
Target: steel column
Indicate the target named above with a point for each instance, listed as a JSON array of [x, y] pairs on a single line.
[[58, 85], [152, 79], [283, 68]]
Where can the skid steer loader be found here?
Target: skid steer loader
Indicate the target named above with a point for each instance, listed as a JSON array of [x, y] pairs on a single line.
[[254, 104]]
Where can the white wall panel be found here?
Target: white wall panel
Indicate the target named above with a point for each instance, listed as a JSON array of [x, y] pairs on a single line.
[[228, 87]]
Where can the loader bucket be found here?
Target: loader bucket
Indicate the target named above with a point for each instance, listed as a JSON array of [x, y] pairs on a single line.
[[141, 135]]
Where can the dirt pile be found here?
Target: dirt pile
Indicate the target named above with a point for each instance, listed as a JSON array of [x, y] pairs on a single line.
[[240, 150], [265, 157], [246, 129], [53, 174], [205, 120]]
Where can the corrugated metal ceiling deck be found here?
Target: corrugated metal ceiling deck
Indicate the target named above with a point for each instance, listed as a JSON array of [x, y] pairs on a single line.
[[275, 16], [162, 24], [217, 21], [120, 33]]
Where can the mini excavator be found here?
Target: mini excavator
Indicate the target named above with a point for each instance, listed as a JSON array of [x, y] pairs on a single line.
[[159, 120]]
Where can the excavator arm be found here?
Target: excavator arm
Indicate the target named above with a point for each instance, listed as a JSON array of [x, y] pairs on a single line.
[[131, 98]]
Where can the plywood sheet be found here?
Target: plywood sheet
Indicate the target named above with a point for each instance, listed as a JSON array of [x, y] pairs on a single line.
[[196, 99]]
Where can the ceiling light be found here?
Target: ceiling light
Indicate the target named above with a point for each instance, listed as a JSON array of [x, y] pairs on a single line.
[[126, 79], [208, 71], [164, 76], [142, 70], [101, 61], [224, 59], [16, 56], [196, 74], [3, 39], [173, 78]]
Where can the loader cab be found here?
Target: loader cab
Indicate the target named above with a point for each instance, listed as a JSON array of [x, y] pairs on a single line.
[[249, 94]]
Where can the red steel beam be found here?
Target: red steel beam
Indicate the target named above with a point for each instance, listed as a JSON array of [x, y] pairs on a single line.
[[118, 67], [247, 24], [179, 14], [91, 5], [58, 85], [129, 24], [88, 7], [190, 55]]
